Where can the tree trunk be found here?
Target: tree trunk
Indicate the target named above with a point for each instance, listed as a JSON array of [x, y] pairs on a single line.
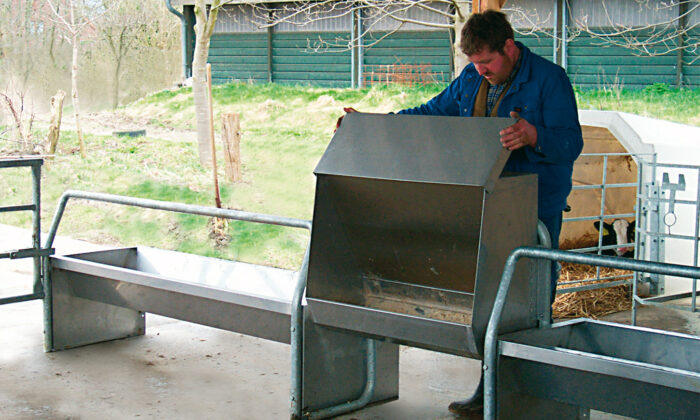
[[74, 94], [55, 123], [463, 9], [231, 137], [115, 85], [203, 31], [462, 12], [199, 93]]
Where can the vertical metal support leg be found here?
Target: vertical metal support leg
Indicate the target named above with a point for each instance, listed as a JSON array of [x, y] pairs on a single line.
[[543, 279], [36, 222], [345, 372], [75, 321]]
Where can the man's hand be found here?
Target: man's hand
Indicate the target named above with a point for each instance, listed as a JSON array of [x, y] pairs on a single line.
[[340, 120], [518, 135]]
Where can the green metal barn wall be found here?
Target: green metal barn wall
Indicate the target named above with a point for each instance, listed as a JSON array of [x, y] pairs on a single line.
[[415, 47], [311, 58], [596, 63], [321, 58], [240, 56], [592, 63], [691, 64], [539, 43]]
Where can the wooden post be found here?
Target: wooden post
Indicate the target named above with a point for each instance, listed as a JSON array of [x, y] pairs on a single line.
[[231, 137], [217, 196], [55, 123], [484, 5]]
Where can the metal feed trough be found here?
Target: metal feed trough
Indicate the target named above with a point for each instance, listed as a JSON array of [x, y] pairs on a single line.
[[413, 224]]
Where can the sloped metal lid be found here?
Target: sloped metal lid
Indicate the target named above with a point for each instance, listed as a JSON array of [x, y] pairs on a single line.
[[433, 149]]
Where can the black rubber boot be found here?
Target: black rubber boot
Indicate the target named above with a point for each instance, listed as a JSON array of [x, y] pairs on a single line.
[[472, 406]]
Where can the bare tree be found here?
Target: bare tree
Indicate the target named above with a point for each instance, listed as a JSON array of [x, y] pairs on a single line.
[[14, 104], [122, 29], [439, 14], [73, 18], [668, 33]]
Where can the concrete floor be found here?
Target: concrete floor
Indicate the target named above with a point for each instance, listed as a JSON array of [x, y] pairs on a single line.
[[180, 370]]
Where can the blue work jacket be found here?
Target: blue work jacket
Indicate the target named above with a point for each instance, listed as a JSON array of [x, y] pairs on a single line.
[[542, 94]]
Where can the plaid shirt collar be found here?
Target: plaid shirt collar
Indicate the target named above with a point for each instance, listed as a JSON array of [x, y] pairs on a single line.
[[495, 91]]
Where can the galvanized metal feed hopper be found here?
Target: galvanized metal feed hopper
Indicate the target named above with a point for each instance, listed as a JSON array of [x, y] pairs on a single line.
[[413, 222]]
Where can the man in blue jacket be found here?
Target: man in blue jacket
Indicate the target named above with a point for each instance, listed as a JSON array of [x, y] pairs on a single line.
[[505, 79]]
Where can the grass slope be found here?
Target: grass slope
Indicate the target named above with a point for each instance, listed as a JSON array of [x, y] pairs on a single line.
[[285, 130]]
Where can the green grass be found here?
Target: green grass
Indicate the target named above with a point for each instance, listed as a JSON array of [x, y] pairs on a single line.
[[655, 101], [285, 130]]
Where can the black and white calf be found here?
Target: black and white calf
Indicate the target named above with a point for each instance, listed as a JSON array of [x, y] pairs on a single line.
[[619, 232]]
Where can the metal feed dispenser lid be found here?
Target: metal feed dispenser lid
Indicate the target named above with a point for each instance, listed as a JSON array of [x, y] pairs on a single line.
[[413, 217], [445, 150]]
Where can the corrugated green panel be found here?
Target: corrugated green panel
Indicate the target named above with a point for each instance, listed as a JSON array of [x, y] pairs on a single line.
[[310, 35], [295, 52], [295, 62], [310, 44], [535, 40], [691, 63], [321, 83], [609, 51], [626, 60], [238, 36], [241, 74], [224, 59], [691, 70], [411, 42], [625, 81], [238, 67], [434, 34], [430, 48], [434, 60], [233, 43], [237, 52], [238, 56], [595, 62], [335, 68], [309, 75], [624, 70], [319, 59]]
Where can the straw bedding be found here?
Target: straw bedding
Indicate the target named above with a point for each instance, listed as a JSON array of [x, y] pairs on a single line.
[[590, 303]]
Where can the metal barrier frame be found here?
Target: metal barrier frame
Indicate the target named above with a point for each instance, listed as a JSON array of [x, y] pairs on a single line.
[[35, 251], [651, 197], [491, 339], [297, 317], [601, 217]]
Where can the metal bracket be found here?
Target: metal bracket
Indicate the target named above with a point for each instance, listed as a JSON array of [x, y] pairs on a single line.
[[28, 253], [670, 218]]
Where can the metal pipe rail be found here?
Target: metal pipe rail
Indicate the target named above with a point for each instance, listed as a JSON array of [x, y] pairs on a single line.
[[35, 252], [296, 318], [491, 339], [296, 315]]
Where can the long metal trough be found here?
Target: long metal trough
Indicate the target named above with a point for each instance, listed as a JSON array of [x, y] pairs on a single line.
[[631, 371], [235, 296]]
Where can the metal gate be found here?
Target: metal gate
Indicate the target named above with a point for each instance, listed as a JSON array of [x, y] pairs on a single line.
[[605, 188], [35, 251], [668, 227]]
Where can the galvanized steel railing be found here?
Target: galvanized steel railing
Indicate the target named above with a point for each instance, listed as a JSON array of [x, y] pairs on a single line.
[[35, 251], [296, 316], [491, 339]]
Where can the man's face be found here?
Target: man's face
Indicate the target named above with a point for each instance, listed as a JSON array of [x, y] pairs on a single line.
[[494, 66]]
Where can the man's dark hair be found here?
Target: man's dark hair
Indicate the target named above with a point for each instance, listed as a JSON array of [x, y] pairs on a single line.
[[488, 29]]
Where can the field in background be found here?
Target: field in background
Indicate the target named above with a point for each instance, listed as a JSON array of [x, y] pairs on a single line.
[[285, 129]]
